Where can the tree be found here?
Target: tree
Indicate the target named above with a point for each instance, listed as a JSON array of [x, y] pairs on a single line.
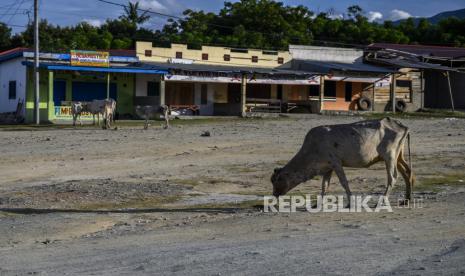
[[354, 11], [5, 37], [244, 24], [131, 14]]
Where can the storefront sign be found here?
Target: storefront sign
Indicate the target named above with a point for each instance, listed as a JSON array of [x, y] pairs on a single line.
[[90, 58], [378, 81]]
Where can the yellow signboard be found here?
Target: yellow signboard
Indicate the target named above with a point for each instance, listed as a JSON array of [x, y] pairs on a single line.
[[90, 58]]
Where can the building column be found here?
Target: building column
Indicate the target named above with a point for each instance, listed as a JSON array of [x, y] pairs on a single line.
[[322, 92], [51, 103], [243, 95], [393, 93], [108, 85], [162, 89], [373, 97]]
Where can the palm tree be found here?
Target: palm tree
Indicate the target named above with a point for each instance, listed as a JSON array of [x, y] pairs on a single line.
[[131, 14]]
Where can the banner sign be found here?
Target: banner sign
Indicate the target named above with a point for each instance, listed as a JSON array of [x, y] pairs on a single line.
[[202, 79], [314, 80], [378, 81], [90, 58], [64, 113], [237, 79]]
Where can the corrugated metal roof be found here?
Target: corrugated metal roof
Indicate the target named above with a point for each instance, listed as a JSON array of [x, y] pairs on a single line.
[[112, 69], [330, 67], [222, 68], [423, 50], [410, 63], [12, 53]]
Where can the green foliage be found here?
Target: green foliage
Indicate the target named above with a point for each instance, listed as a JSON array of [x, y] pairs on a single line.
[[246, 23], [5, 37]]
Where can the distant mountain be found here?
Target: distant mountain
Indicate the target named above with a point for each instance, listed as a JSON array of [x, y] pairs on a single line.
[[438, 17]]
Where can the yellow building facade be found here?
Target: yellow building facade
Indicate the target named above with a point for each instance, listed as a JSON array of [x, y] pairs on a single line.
[[212, 55]]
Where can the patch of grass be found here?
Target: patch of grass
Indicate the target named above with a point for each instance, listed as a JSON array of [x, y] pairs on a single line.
[[140, 123], [446, 179], [248, 204], [186, 182], [426, 113], [240, 169], [198, 181], [143, 203]]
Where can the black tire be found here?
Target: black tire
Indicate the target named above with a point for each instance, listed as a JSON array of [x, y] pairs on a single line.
[[401, 105], [364, 103]]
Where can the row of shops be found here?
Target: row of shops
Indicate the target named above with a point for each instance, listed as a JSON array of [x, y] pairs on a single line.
[[208, 81]]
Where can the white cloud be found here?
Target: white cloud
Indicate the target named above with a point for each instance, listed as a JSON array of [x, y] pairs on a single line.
[[94, 22], [336, 16], [374, 16], [399, 14], [153, 5]]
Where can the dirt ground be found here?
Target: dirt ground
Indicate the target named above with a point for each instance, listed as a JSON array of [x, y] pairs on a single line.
[[133, 202]]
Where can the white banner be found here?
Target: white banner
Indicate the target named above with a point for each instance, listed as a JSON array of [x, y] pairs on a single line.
[[315, 80]]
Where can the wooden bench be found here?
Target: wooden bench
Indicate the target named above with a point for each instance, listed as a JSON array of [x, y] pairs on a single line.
[[263, 105]]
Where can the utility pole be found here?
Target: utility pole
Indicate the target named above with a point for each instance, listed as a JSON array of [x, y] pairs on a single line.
[[36, 63]]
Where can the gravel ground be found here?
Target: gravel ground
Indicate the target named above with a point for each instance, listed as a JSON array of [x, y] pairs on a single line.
[[132, 202]]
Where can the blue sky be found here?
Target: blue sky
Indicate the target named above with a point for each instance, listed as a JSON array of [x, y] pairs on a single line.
[[65, 12]]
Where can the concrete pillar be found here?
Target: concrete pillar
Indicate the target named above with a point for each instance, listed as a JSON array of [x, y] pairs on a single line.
[[393, 93], [108, 85], [162, 90], [243, 94], [373, 97], [51, 104], [322, 93]]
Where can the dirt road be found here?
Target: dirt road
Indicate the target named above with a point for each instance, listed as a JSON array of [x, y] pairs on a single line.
[[133, 202]]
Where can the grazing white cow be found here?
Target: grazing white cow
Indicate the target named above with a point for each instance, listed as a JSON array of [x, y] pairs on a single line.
[[106, 108], [109, 109], [149, 111], [358, 145]]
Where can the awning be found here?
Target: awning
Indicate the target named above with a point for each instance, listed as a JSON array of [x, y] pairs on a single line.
[[212, 68], [111, 69], [324, 67]]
